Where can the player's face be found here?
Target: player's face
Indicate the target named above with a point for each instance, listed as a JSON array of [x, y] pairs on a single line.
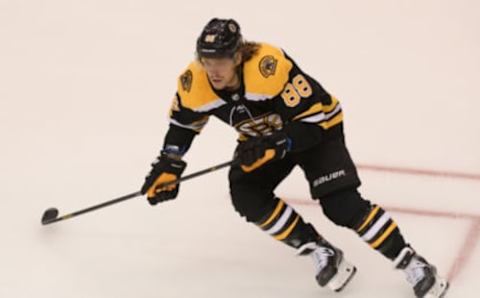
[[221, 72]]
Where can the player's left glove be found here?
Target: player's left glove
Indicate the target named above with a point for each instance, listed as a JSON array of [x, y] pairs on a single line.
[[255, 152]]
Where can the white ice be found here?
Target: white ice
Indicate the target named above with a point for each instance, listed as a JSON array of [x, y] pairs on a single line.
[[85, 88]]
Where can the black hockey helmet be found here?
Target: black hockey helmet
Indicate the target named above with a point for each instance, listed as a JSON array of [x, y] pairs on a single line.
[[220, 38]]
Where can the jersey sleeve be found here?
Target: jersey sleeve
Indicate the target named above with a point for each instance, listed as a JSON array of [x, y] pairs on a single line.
[[309, 112], [185, 124], [186, 118]]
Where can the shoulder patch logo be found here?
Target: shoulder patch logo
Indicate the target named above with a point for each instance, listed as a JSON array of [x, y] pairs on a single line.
[[268, 66], [186, 80]]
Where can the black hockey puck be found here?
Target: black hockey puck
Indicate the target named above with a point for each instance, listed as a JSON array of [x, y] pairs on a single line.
[[49, 215]]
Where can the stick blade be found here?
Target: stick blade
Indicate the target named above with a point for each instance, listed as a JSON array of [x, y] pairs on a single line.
[[49, 215]]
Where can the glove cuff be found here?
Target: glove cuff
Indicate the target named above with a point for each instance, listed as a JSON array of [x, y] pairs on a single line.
[[172, 164]]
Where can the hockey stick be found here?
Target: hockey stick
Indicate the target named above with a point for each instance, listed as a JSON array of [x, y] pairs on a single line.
[[51, 215]]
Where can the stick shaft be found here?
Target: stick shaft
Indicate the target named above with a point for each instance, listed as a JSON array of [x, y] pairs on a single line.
[[137, 193]]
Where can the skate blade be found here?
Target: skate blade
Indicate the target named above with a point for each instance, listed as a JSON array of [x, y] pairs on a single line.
[[345, 273], [439, 289]]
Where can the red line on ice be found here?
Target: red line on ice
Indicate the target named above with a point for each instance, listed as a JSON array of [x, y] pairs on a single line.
[[431, 213], [420, 172]]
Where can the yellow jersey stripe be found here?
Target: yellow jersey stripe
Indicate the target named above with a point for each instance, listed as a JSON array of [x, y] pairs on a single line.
[[331, 107], [316, 108], [332, 122]]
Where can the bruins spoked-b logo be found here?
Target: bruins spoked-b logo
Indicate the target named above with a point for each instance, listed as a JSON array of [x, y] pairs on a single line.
[[186, 80], [260, 126], [268, 65]]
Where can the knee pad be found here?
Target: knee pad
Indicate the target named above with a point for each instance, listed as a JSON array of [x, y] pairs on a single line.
[[345, 208]]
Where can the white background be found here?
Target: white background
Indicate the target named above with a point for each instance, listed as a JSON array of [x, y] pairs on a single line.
[[85, 88]]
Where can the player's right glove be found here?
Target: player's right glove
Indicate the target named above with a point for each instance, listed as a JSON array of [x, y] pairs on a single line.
[[255, 152], [164, 169]]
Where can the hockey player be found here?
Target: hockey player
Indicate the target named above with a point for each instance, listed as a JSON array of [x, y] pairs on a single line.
[[284, 118]]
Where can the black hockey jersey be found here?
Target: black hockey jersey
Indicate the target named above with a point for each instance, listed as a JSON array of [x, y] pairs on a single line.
[[274, 94]]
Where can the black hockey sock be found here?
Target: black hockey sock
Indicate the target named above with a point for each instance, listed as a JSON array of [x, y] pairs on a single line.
[[381, 232], [286, 225]]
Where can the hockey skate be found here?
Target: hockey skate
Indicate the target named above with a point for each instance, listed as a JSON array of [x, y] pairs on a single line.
[[421, 275], [332, 270]]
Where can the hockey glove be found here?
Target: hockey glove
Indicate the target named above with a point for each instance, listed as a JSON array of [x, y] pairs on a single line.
[[164, 169], [255, 152]]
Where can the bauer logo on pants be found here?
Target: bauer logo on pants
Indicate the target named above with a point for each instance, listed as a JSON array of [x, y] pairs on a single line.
[[329, 177]]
